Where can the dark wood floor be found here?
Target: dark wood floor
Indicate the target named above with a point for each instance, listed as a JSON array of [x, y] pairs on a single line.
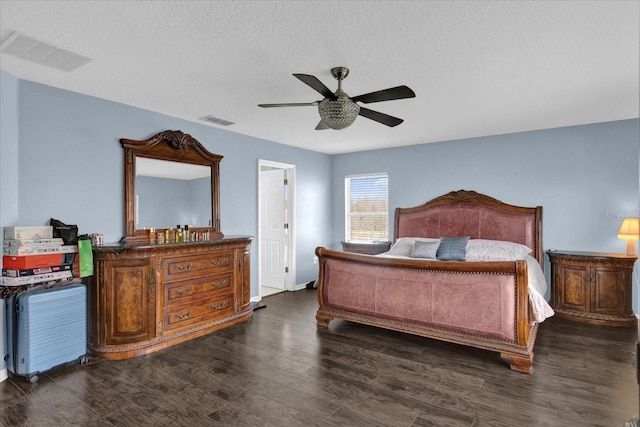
[[279, 369]]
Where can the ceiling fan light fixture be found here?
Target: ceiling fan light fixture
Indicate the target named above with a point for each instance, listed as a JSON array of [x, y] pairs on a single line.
[[338, 113]]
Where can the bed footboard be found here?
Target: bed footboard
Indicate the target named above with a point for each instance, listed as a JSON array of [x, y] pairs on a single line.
[[478, 304]]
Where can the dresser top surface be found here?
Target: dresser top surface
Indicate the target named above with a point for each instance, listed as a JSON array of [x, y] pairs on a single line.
[[225, 239], [591, 254]]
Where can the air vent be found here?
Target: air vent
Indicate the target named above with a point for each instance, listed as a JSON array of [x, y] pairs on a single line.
[[42, 53], [216, 120]]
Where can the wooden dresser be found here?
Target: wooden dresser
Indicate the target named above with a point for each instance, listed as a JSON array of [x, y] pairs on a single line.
[[145, 298], [592, 287]]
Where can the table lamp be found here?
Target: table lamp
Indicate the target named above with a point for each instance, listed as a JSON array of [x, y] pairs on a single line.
[[630, 231]]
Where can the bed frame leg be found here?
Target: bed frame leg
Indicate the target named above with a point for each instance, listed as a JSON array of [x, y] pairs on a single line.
[[519, 363], [323, 320]]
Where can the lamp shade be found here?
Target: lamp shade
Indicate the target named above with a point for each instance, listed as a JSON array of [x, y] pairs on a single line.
[[630, 229]]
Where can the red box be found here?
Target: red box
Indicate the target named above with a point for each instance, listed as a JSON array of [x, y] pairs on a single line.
[[19, 262]]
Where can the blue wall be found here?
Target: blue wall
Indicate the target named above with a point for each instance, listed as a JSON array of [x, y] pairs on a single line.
[[71, 168], [8, 175], [585, 177]]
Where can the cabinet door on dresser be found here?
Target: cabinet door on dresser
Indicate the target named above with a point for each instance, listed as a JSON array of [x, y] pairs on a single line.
[[243, 282], [129, 285], [573, 294], [608, 290]]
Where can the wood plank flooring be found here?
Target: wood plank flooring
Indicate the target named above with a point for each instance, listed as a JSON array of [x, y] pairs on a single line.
[[279, 369]]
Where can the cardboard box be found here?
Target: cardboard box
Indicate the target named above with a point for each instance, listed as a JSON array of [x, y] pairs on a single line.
[[38, 278], [19, 243], [20, 262], [39, 250], [28, 232]]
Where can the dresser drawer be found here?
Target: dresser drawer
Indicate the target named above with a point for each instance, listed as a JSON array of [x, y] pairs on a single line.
[[197, 312], [205, 287], [185, 267]]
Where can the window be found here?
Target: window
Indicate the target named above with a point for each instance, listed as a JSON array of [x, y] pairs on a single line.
[[367, 208]]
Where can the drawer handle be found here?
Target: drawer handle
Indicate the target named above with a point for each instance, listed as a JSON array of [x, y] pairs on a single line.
[[186, 315], [221, 305], [181, 268], [219, 284], [181, 292], [219, 262]]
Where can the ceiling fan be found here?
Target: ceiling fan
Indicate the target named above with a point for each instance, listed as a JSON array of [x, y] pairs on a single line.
[[338, 110]]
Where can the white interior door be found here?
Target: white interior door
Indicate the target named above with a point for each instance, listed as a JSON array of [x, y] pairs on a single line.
[[272, 229]]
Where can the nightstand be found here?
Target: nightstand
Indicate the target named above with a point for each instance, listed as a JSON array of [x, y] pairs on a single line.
[[369, 248], [592, 287]]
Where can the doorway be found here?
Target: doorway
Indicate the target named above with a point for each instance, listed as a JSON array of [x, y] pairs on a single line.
[[276, 231]]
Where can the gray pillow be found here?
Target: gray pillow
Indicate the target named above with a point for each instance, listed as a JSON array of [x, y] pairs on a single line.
[[453, 248], [425, 249]]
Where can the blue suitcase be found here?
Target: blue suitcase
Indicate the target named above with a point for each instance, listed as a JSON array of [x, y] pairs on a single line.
[[46, 328]]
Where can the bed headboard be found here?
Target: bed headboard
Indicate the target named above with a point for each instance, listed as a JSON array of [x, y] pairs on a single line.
[[467, 213]]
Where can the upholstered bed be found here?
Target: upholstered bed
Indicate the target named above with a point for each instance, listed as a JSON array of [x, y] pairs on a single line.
[[464, 268]]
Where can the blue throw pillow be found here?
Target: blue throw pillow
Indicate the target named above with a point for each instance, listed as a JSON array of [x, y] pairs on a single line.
[[453, 248]]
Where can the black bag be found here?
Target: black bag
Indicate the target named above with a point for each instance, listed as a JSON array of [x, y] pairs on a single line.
[[68, 233]]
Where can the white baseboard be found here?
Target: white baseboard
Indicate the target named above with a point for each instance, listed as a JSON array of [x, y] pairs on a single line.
[[4, 374], [300, 287]]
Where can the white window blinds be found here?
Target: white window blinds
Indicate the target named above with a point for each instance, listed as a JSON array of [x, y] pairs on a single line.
[[367, 208]]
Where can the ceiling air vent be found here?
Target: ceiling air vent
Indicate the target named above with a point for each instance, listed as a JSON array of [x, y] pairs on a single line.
[[42, 53], [216, 120]]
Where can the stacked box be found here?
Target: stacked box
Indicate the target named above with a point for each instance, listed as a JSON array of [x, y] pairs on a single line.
[[31, 255], [31, 232]]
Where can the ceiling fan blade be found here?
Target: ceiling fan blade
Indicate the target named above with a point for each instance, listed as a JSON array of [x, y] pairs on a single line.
[[290, 104], [316, 84], [385, 119], [322, 125], [398, 92]]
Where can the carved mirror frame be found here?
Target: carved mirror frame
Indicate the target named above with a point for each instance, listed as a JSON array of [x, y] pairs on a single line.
[[174, 146]]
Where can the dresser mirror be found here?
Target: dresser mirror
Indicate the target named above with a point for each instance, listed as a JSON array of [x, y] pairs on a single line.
[[170, 180]]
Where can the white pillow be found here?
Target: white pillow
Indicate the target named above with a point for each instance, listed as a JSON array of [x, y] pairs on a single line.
[[425, 249], [495, 250], [404, 245]]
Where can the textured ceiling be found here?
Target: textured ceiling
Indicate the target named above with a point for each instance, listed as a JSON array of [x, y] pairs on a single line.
[[477, 67]]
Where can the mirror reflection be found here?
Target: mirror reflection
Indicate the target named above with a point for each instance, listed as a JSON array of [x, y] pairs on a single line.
[[172, 193]]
